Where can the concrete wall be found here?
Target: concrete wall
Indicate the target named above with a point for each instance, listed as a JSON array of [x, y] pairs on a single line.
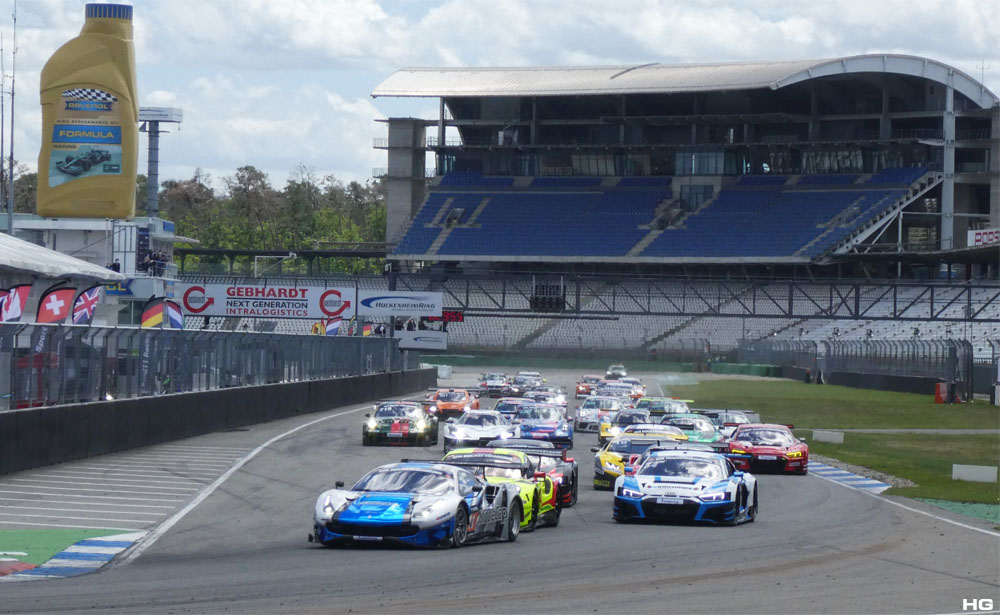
[[42, 436], [880, 382]]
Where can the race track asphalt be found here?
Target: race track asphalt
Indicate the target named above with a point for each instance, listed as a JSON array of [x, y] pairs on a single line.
[[817, 547]]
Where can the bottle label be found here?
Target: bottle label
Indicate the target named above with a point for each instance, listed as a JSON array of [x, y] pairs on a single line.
[[86, 137]]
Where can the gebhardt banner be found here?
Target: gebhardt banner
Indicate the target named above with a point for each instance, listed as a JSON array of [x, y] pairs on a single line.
[[271, 301], [984, 237], [398, 303]]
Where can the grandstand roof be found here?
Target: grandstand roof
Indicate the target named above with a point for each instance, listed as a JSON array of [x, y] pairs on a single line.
[[658, 78]]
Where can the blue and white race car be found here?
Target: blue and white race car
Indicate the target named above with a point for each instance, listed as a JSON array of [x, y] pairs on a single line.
[[686, 485], [544, 422], [419, 504]]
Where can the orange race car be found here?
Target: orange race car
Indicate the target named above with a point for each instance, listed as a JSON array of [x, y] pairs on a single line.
[[451, 402], [586, 385]]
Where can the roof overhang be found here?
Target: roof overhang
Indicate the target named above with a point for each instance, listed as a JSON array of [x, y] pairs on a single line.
[[25, 257]]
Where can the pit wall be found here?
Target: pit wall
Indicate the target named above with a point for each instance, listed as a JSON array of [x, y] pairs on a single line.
[[36, 437]]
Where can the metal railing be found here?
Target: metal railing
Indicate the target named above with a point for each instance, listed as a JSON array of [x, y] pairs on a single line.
[[947, 360], [44, 365]]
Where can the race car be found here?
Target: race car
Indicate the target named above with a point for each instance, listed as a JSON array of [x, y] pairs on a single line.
[[475, 427], [508, 406], [544, 422], [623, 392], [658, 406], [772, 448], [686, 485], [557, 395], [418, 504], [563, 470], [542, 397], [451, 402], [638, 388], [610, 459], [508, 466], [586, 385], [493, 383], [681, 445], [519, 385], [697, 427], [399, 423], [726, 421], [612, 425], [79, 165], [615, 372], [594, 410]]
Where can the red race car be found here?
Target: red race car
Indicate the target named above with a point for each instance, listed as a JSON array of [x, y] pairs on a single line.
[[451, 402], [772, 448], [587, 385]]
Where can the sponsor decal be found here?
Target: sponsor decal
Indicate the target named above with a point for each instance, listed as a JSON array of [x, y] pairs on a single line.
[[269, 301], [69, 133]]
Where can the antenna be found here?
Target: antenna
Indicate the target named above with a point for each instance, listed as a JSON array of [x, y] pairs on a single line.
[[3, 117], [13, 69], [982, 66]]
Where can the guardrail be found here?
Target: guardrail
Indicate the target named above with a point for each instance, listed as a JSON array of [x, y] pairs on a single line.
[[45, 365]]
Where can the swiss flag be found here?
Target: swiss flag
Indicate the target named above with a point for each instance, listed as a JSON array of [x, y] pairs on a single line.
[[55, 305]]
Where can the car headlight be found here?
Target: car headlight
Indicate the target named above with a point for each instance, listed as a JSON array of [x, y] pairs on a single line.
[[794, 454], [562, 431], [427, 512], [466, 408], [458, 433], [421, 425], [718, 496], [506, 434], [372, 424], [515, 389], [738, 451], [328, 505], [616, 430], [625, 492], [432, 409]]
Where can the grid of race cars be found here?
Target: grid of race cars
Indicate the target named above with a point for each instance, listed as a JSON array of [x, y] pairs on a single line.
[[507, 469]]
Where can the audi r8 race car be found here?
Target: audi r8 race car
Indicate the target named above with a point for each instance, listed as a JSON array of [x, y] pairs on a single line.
[[586, 385], [419, 504], [493, 383], [688, 485], [563, 470], [681, 445], [594, 410], [613, 425], [772, 448], [614, 372], [544, 422], [475, 427], [451, 402], [610, 460], [697, 427], [399, 423], [508, 466], [508, 406]]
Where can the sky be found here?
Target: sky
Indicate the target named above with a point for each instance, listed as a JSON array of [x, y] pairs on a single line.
[[285, 85]]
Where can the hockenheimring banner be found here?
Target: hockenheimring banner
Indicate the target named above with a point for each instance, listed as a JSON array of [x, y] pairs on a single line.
[[312, 302]]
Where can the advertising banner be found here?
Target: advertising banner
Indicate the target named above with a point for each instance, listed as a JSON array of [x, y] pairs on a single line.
[[399, 303], [271, 301], [984, 237], [422, 340], [86, 137]]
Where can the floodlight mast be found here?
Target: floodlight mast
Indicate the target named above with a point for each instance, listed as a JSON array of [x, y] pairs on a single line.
[[151, 118]]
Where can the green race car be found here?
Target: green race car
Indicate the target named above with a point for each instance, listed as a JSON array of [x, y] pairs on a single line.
[[697, 427], [500, 465]]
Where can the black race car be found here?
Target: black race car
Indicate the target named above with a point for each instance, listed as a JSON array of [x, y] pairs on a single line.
[[81, 164], [561, 469]]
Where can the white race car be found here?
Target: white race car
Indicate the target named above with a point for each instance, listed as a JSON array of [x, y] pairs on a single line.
[[476, 428]]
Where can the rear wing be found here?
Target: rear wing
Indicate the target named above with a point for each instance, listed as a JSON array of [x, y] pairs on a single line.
[[555, 453], [750, 414]]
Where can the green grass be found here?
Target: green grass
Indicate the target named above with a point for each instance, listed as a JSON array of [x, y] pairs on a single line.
[[40, 545], [828, 406], [596, 366], [925, 459]]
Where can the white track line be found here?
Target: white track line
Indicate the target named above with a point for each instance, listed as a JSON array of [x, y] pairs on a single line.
[[100, 490], [909, 508], [2, 514], [87, 510], [84, 477], [100, 482], [218, 448], [179, 455], [186, 473], [157, 466], [150, 539], [89, 503], [73, 495], [81, 527]]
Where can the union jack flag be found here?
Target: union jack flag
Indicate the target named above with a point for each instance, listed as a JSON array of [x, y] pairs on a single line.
[[85, 304]]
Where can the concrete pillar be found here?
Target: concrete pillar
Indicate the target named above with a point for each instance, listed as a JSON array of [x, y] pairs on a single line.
[[534, 121], [884, 123], [948, 186], [813, 112], [995, 168]]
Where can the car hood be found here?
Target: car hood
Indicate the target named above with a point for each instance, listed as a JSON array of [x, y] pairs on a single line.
[[484, 430], [540, 425], [378, 508], [680, 485]]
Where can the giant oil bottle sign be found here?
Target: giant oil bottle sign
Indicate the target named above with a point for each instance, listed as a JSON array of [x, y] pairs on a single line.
[[86, 136]]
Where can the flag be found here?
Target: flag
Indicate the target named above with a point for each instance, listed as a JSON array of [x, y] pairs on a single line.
[[152, 313], [85, 305], [333, 325], [317, 328], [366, 330], [175, 318], [55, 305], [14, 301]]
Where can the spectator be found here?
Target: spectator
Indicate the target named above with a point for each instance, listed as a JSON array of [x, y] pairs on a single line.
[[145, 264], [410, 325], [116, 266]]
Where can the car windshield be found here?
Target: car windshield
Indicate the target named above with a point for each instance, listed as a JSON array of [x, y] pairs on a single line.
[[407, 480], [600, 404], [544, 464], [482, 420], [494, 377], [521, 381], [494, 472], [766, 437], [666, 430], [543, 413], [591, 379], [684, 423], [506, 406], [631, 418], [393, 412], [672, 466], [451, 396], [629, 446]]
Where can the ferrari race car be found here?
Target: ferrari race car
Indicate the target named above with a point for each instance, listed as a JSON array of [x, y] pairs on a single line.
[[595, 410], [772, 448], [613, 425], [586, 385], [451, 402], [507, 466], [544, 422], [686, 485], [419, 504], [610, 460], [563, 470], [399, 423], [474, 428]]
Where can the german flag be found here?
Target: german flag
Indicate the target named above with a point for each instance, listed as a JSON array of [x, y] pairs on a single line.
[[152, 313], [366, 330]]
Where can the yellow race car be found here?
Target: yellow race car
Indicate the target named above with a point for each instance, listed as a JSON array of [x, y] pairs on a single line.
[[610, 460], [613, 425]]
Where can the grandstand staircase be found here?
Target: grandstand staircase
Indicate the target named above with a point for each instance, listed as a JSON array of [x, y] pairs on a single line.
[[645, 241], [439, 240], [479, 209], [659, 338], [522, 344], [837, 221], [438, 218]]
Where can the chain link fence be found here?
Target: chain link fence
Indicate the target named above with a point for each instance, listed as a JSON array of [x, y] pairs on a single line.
[[947, 360], [42, 365]]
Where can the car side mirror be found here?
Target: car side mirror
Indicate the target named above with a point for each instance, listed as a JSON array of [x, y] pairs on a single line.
[[569, 460], [339, 484], [629, 470], [538, 475], [595, 449], [738, 474], [368, 415], [477, 488]]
